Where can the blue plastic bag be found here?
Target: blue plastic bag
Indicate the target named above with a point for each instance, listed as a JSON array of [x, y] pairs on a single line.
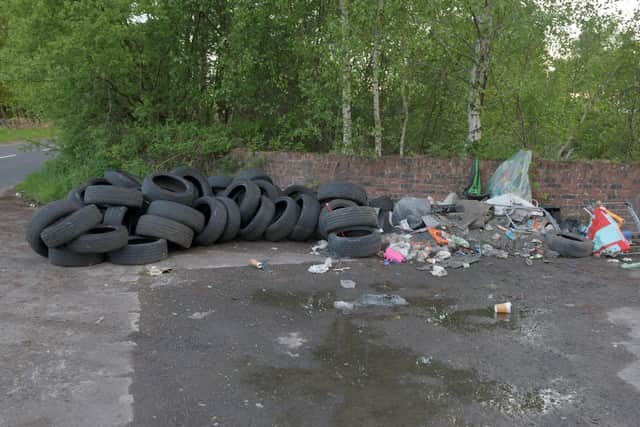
[[512, 176]]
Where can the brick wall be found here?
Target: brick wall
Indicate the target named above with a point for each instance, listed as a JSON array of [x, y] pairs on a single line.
[[554, 183]]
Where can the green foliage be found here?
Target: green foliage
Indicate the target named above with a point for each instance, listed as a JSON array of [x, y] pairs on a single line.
[[150, 84], [24, 134]]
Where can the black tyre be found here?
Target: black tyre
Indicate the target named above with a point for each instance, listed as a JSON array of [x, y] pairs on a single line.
[[122, 215], [140, 250], [194, 176], [219, 183], [384, 203], [308, 220], [166, 186], [328, 207], [295, 190], [252, 174], [284, 219], [267, 189], [64, 257], [71, 226], [233, 219], [259, 223], [100, 239], [246, 194], [215, 214], [342, 190], [163, 228], [178, 212], [44, 217], [122, 179], [356, 242], [570, 244], [344, 218], [110, 195], [77, 194]]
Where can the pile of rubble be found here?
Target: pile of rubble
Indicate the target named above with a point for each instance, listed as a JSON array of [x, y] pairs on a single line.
[[456, 233]]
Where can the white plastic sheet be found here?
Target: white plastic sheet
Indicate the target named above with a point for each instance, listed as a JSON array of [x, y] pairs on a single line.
[[512, 176]]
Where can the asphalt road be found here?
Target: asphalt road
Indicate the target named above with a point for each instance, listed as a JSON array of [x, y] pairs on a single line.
[[217, 343], [16, 164]]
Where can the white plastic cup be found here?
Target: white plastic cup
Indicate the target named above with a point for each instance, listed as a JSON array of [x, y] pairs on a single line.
[[504, 307]]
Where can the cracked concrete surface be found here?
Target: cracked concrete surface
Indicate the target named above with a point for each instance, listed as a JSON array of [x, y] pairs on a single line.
[[215, 342]]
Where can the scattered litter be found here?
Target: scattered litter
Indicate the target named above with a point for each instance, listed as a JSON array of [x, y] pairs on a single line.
[[634, 265], [199, 315], [459, 241], [392, 255], [430, 220], [255, 263], [155, 271], [438, 271], [627, 260], [424, 360], [488, 250], [347, 284], [100, 319], [260, 265], [341, 269], [512, 176], [613, 261], [322, 244], [605, 234], [438, 235], [292, 341], [343, 305], [504, 307], [259, 405], [408, 212], [380, 300], [456, 263], [321, 268], [442, 255]]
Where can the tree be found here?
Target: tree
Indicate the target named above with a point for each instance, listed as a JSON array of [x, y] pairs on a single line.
[[484, 35], [346, 77], [375, 80]]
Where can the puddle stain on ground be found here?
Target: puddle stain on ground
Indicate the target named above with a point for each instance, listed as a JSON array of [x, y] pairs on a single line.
[[436, 310], [295, 301], [444, 312], [373, 384]]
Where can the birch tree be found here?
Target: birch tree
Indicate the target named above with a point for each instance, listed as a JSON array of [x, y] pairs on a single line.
[[375, 81], [346, 77]]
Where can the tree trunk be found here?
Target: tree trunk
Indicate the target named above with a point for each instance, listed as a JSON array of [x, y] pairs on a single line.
[[405, 107], [520, 116], [376, 83], [478, 79], [346, 78]]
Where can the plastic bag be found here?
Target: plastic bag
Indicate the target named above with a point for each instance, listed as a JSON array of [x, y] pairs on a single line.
[[605, 234], [512, 176], [411, 209]]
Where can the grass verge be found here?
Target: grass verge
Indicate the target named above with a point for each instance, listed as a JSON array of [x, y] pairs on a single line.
[[23, 134], [50, 183]]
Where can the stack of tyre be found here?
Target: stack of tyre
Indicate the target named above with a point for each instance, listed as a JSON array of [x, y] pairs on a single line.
[[347, 222], [125, 221]]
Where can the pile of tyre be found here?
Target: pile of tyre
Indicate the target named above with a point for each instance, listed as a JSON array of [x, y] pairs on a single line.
[[346, 220], [124, 220]]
